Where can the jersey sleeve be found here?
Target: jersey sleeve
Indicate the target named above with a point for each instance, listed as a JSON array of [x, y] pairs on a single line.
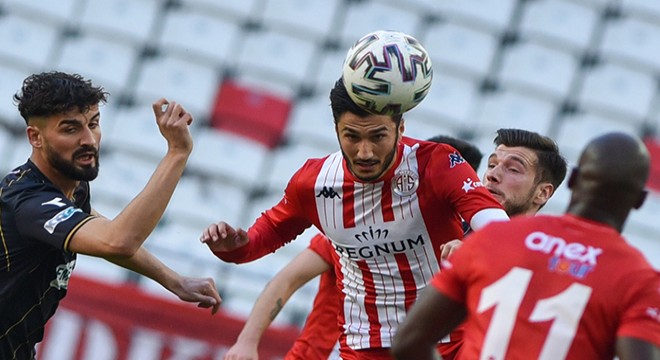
[[323, 247], [44, 214], [641, 318], [275, 227], [454, 179]]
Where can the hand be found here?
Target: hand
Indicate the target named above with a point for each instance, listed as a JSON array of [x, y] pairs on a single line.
[[221, 237], [173, 121], [201, 291], [448, 248], [241, 351]]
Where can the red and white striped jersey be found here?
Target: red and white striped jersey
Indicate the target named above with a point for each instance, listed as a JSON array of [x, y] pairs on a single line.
[[386, 233]]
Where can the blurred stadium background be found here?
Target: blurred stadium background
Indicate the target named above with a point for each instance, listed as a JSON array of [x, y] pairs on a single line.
[[256, 75]]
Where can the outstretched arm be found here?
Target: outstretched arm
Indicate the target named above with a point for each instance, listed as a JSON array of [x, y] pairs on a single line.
[[123, 235], [294, 275], [195, 290]]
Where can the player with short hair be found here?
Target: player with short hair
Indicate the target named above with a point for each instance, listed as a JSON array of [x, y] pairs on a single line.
[[552, 287], [319, 336], [45, 214], [386, 202]]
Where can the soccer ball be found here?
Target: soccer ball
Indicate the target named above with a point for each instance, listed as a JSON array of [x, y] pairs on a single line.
[[387, 72]]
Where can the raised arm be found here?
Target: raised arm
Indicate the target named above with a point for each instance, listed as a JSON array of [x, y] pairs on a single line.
[[123, 235], [294, 275]]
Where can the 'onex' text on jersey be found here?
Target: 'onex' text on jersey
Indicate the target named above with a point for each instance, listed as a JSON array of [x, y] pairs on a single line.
[[540, 241]]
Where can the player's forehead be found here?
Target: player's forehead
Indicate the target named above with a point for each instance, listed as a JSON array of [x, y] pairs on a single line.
[[77, 115], [519, 154], [365, 124]]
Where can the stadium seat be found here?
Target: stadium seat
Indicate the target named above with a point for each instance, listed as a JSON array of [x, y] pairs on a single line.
[[311, 122], [109, 63], [191, 84], [224, 156], [363, 17], [530, 67], [276, 56], [121, 177], [193, 34], [577, 130], [251, 112], [491, 15], [643, 9], [58, 13], [560, 23], [322, 74], [509, 109], [132, 21], [310, 20], [198, 203], [20, 152], [632, 41], [243, 11], [460, 49], [7, 146], [450, 101], [12, 81], [132, 130], [616, 90], [26, 43], [286, 160]]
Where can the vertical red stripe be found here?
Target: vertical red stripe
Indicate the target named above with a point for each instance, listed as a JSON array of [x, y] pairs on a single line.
[[370, 305], [349, 204], [410, 288], [386, 201]]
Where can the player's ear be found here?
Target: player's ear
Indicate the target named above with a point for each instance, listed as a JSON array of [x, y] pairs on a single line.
[[544, 193], [34, 136]]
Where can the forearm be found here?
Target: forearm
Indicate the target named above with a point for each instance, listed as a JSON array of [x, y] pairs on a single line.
[[266, 308], [146, 264], [142, 214]]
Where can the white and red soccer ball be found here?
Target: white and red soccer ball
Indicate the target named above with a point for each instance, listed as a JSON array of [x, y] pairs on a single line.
[[387, 72]]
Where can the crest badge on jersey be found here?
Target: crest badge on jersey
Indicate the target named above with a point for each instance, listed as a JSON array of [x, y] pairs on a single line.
[[405, 182]]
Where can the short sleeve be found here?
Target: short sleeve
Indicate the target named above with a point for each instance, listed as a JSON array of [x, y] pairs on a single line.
[[44, 214]]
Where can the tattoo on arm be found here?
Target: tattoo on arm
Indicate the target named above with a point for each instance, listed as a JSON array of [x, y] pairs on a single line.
[[276, 309]]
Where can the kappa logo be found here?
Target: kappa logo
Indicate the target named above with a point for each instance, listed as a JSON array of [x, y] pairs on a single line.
[[455, 159], [56, 201], [328, 193], [471, 185]]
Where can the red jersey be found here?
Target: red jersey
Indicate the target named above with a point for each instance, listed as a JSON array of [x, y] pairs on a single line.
[[386, 233], [321, 330], [551, 288]]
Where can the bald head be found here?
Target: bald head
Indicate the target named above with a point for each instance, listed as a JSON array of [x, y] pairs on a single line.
[[610, 178]]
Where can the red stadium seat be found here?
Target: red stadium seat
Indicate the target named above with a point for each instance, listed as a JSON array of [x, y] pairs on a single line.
[[654, 178], [252, 113]]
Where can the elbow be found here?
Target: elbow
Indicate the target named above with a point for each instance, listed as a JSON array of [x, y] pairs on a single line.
[[122, 249]]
